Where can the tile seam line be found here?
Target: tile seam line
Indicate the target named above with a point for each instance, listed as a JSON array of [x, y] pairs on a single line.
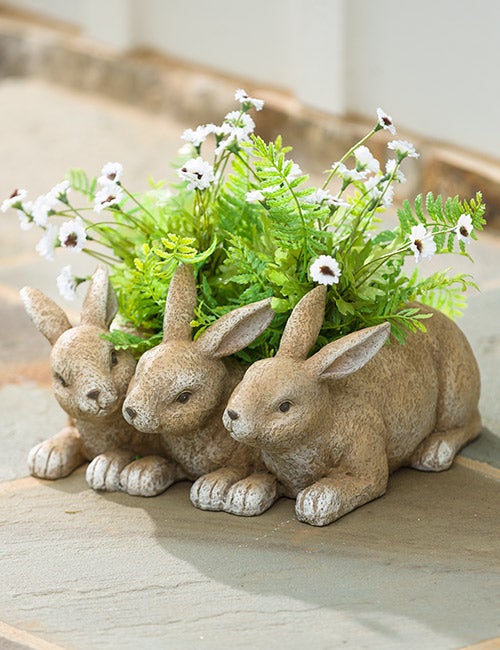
[[28, 640]]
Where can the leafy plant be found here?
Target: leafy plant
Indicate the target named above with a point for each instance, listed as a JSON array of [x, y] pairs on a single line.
[[253, 227]]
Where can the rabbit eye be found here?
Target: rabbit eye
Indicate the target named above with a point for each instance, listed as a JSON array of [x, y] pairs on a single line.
[[183, 397], [284, 407], [59, 378], [114, 358]]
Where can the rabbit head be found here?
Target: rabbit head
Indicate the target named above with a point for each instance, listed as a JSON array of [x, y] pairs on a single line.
[[89, 377], [282, 400], [181, 384]]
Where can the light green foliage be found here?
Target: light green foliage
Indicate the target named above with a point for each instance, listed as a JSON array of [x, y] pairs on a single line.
[[246, 247]]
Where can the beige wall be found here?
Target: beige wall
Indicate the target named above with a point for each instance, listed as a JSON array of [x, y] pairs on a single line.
[[432, 64]]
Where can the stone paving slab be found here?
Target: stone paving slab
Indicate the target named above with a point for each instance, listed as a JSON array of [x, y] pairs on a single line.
[[420, 563]]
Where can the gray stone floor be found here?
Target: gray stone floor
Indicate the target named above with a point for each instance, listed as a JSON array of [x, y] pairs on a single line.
[[418, 568]]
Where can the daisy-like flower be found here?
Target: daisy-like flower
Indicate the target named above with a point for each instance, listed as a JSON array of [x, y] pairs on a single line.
[[325, 270], [109, 195], [422, 243], [254, 196], [366, 160], [403, 148], [59, 192], [17, 197], [237, 128], [47, 245], [241, 96], [110, 173], [66, 283], [72, 235], [349, 174], [41, 207], [464, 228], [198, 172], [391, 167], [384, 121], [198, 136]]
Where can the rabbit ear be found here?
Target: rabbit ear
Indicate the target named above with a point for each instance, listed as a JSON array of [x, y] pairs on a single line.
[[48, 317], [100, 305], [236, 329], [348, 354], [303, 326], [180, 305]]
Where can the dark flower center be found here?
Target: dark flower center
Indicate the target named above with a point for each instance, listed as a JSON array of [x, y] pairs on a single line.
[[71, 240], [419, 245], [386, 121], [463, 231], [14, 193], [326, 270], [109, 199], [112, 176]]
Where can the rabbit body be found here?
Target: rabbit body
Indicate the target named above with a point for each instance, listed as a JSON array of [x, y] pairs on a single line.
[[90, 381], [180, 390], [333, 426]]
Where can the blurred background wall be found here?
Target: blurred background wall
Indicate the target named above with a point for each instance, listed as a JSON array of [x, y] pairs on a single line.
[[432, 64]]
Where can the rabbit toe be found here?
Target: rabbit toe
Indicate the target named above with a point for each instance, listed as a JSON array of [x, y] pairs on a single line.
[[103, 473], [50, 461], [209, 491], [147, 477], [251, 496], [437, 457], [318, 506]]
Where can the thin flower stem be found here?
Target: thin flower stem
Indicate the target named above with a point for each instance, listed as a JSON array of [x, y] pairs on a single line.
[[349, 153]]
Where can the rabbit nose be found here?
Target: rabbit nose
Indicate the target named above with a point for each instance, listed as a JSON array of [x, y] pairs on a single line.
[[131, 412], [93, 394], [232, 414]]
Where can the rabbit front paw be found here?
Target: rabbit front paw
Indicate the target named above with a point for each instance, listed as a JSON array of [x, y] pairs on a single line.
[[103, 473], [318, 505], [147, 477], [435, 456], [252, 495], [209, 491], [56, 457]]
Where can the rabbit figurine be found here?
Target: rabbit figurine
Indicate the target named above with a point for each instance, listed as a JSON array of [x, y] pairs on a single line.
[[333, 426], [179, 392], [90, 380]]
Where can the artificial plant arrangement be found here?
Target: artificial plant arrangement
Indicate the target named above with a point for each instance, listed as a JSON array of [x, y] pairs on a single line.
[[248, 219]]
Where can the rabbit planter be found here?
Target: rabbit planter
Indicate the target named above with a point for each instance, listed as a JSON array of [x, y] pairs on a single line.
[[90, 381], [180, 390], [333, 426]]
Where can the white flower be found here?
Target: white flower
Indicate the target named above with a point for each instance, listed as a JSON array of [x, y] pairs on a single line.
[[319, 196], [237, 127], [25, 220], [109, 195], [59, 190], [66, 283], [241, 96], [385, 121], [16, 197], [198, 172], [372, 187], [197, 136], [365, 159], [349, 174], [387, 195], [403, 148], [47, 244], [391, 167], [464, 228], [422, 243], [325, 270], [295, 172], [110, 173], [72, 235], [41, 208], [254, 196]]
